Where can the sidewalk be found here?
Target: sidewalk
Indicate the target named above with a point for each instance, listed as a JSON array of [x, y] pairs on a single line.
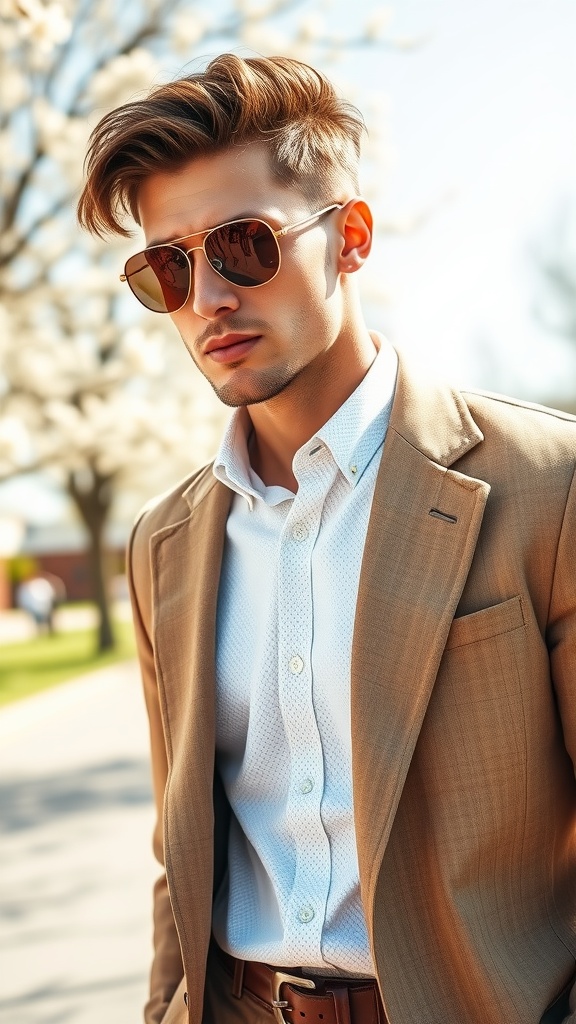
[[77, 869]]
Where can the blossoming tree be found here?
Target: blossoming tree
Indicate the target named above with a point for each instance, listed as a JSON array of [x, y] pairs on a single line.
[[89, 392]]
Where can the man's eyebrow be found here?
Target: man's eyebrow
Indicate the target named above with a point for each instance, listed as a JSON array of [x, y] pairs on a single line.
[[172, 238], [247, 215], [157, 241]]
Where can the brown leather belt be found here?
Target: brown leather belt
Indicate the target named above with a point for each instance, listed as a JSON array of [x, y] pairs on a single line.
[[294, 999]]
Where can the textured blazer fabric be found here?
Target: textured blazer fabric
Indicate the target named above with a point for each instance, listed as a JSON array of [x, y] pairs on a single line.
[[463, 703]]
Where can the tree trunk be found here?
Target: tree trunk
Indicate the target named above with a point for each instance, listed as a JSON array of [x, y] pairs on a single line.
[[92, 495]]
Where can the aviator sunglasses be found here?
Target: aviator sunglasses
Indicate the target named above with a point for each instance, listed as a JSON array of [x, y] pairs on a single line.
[[244, 252]]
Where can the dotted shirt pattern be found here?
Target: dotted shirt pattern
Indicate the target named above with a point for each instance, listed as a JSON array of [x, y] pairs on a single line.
[[286, 606]]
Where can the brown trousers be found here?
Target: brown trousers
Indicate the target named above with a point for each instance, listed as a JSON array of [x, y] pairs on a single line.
[[221, 1007]]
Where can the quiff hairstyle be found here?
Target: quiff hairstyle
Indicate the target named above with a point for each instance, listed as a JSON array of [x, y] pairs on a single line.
[[313, 136]]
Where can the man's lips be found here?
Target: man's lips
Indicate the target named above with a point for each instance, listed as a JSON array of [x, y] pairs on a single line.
[[230, 347]]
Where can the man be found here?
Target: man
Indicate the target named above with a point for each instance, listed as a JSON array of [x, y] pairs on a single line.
[[357, 629]]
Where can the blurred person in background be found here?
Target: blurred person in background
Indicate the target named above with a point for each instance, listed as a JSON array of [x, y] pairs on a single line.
[[357, 627], [39, 596]]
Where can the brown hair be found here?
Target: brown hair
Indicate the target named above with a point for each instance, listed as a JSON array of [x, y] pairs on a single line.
[[313, 135]]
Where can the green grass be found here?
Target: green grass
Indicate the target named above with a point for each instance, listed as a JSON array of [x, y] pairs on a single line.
[[29, 666]]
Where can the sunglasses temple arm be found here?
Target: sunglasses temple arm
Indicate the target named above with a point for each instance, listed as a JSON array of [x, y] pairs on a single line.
[[124, 277], [307, 220]]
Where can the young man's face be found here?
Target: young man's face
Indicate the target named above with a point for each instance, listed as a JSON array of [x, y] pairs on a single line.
[[250, 343]]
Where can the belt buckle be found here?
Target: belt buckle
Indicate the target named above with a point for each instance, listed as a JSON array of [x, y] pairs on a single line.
[[278, 1004]]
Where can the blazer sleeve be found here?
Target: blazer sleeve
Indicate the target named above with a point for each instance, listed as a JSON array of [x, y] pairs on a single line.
[[561, 632], [167, 967], [561, 637]]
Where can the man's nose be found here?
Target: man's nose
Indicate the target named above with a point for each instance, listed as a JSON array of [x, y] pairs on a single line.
[[211, 296]]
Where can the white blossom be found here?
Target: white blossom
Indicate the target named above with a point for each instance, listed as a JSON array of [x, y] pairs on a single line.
[[9, 14], [379, 22], [265, 39], [45, 25], [14, 440], [14, 88], [311, 28], [258, 10], [123, 78], [143, 353], [189, 28]]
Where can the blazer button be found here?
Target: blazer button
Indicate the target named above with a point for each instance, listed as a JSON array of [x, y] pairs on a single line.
[[186, 998]]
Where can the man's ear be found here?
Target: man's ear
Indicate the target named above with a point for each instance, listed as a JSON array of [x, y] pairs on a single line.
[[355, 222]]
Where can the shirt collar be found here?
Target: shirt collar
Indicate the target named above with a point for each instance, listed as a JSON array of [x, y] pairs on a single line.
[[357, 429], [353, 434]]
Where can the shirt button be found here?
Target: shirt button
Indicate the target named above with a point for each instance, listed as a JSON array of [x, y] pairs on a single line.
[[305, 914], [299, 532], [306, 786], [296, 665]]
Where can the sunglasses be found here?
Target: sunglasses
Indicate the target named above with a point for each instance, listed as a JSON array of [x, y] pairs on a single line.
[[244, 252]]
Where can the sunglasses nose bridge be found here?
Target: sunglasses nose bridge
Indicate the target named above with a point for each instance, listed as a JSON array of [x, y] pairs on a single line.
[[211, 263], [202, 248]]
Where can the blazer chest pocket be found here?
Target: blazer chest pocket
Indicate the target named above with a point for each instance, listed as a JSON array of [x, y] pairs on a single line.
[[475, 722], [486, 623]]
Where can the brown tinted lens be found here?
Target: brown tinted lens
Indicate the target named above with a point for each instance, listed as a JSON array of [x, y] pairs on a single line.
[[244, 252], [159, 278]]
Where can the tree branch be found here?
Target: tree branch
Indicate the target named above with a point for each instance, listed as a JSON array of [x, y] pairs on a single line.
[[25, 239], [148, 30]]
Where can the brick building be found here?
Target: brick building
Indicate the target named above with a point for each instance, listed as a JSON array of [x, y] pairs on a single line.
[[60, 549]]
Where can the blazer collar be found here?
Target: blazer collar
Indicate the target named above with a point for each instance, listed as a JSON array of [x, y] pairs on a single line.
[[431, 416]]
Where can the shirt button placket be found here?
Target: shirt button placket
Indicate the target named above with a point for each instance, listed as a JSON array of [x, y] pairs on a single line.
[[306, 914], [311, 859], [296, 665], [299, 532]]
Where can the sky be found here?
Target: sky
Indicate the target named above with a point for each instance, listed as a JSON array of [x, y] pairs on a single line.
[[482, 122], [479, 121]]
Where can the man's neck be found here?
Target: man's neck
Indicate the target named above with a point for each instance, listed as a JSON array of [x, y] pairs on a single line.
[[285, 423]]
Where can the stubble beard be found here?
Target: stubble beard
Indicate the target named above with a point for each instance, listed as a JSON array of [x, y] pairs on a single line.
[[247, 387], [254, 387]]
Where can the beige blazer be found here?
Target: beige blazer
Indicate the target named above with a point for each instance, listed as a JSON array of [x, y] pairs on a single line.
[[463, 713]]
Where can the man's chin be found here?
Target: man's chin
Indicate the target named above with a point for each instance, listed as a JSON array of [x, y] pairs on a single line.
[[253, 389]]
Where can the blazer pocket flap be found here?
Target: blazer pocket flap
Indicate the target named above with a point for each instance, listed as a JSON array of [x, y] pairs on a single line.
[[488, 622]]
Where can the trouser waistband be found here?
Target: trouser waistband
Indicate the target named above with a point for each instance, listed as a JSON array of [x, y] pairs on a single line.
[[292, 998]]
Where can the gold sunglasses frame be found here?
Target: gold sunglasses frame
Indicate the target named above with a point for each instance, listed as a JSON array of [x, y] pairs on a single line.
[[276, 234]]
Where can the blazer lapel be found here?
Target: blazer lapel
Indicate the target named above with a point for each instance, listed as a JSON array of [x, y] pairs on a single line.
[[186, 560], [421, 538]]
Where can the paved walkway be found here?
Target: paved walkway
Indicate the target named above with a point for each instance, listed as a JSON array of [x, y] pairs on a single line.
[[76, 820]]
